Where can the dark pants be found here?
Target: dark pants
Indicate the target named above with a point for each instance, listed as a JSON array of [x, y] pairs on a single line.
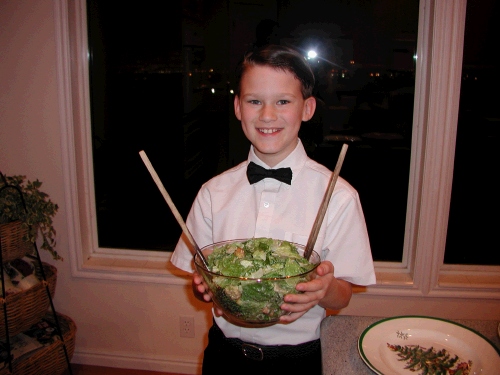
[[225, 356]]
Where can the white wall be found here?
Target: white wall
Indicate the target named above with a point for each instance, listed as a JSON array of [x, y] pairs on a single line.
[[119, 323]]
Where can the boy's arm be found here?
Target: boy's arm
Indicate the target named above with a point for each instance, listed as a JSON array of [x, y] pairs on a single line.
[[338, 292], [324, 290]]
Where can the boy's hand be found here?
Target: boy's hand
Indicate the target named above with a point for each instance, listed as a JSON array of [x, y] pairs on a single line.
[[202, 292], [324, 290]]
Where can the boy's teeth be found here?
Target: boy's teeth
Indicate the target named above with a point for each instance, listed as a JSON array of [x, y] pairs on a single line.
[[268, 131]]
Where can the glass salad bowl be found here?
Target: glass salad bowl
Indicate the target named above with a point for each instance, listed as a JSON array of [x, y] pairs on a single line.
[[248, 278]]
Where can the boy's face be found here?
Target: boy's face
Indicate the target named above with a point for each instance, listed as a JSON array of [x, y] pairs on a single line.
[[271, 109]]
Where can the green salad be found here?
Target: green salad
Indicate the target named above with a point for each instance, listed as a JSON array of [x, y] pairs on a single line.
[[271, 262]]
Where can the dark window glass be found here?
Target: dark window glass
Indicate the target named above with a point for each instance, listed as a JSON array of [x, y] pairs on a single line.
[[473, 222], [161, 79]]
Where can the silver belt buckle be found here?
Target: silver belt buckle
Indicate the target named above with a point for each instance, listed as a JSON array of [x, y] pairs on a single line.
[[252, 352]]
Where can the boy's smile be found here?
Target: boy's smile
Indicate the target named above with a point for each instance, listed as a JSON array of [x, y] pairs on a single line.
[[271, 109]]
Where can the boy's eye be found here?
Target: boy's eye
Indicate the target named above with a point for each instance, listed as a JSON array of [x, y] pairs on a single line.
[[281, 102], [254, 101]]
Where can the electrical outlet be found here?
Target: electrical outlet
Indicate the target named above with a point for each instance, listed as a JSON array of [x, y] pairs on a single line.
[[186, 324]]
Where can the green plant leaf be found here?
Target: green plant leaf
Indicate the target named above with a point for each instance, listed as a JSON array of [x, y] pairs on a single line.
[[21, 199]]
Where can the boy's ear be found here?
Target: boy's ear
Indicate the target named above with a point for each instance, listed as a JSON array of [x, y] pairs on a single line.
[[309, 108], [237, 109]]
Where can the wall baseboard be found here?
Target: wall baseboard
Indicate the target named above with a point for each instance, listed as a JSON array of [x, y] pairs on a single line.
[[133, 361]]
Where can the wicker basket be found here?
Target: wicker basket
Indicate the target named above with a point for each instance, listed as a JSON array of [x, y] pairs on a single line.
[[27, 307], [48, 360], [11, 237]]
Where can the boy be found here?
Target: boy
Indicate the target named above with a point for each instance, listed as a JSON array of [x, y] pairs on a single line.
[[274, 96]]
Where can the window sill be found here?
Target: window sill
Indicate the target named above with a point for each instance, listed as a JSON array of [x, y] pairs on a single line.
[[484, 281], [150, 269]]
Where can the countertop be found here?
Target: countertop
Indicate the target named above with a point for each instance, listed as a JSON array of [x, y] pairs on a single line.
[[339, 341]]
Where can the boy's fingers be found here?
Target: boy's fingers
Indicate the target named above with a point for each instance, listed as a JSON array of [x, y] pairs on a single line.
[[291, 317], [218, 311], [197, 278], [324, 268]]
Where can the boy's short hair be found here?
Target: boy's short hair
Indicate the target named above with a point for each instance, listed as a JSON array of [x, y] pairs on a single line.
[[279, 57]]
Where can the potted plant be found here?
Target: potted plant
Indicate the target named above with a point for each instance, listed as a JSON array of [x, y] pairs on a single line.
[[22, 202]]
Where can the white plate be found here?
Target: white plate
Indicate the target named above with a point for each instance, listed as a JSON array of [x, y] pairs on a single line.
[[429, 333]]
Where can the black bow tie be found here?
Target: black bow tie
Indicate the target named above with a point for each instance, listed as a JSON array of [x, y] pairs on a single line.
[[255, 173]]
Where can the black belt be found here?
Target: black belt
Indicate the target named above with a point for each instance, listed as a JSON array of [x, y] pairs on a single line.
[[261, 352]]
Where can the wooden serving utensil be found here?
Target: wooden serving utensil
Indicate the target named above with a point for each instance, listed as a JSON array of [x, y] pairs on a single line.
[[171, 204], [324, 204]]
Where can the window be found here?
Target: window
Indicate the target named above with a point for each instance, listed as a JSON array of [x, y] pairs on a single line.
[[421, 270], [472, 224], [161, 80], [136, 75]]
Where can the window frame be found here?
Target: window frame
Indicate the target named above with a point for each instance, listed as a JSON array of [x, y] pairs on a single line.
[[421, 272]]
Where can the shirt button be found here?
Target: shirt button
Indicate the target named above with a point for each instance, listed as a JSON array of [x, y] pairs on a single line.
[[266, 204]]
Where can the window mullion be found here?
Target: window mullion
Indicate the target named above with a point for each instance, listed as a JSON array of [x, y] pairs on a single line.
[[444, 66]]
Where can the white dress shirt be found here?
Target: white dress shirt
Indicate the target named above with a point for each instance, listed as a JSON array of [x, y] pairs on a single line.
[[227, 207]]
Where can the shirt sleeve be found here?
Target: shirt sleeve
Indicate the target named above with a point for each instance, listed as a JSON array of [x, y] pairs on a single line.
[[347, 243], [199, 223]]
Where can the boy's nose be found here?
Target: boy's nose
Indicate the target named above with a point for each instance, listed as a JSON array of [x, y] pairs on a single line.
[[267, 114]]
